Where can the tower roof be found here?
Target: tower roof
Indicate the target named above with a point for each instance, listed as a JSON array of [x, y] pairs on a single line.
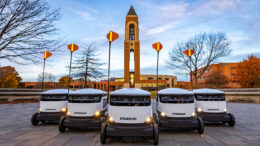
[[131, 11]]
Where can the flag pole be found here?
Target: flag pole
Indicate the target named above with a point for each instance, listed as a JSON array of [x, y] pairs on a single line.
[[108, 74], [43, 73], [70, 72]]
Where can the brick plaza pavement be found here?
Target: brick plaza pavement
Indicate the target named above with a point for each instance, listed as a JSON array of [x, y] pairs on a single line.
[[16, 129]]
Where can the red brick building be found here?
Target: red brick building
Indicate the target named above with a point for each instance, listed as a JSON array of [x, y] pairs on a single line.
[[227, 69]]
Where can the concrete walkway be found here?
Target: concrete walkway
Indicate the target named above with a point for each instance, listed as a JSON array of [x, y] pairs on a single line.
[[16, 129]]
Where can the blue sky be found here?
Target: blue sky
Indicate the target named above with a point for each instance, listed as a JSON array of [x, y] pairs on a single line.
[[167, 21]]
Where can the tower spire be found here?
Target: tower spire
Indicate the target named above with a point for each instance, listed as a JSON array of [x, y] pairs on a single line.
[[131, 11]]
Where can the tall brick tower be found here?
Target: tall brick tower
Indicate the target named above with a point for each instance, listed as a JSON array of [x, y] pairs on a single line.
[[132, 45]]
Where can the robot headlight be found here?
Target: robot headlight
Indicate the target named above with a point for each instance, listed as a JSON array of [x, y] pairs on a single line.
[[97, 113], [163, 114], [64, 109], [148, 120], [110, 119]]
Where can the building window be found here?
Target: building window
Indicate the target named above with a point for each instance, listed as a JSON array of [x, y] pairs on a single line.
[[210, 69], [159, 78], [233, 74], [131, 32], [232, 67], [150, 78], [167, 79], [144, 85]]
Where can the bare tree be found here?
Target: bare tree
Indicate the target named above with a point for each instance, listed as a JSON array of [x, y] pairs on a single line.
[[216, 79], [87, 65], [48, 80], [48, 77], [208, 48], [27, 29]]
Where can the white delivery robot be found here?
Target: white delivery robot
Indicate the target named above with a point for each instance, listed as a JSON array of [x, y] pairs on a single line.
[[129, 115], [53, 105], [85, 109], [211, 106], [175, 108]]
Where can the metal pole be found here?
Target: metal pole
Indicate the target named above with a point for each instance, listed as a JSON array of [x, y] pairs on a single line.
[[191, 74], [86, 74], [108, 74], [43, 73], [157, 70], [69, 72]]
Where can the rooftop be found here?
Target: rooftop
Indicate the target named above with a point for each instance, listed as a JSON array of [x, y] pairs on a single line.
[[131, 11]]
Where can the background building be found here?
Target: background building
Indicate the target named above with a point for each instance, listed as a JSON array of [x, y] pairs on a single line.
[[229, 70]]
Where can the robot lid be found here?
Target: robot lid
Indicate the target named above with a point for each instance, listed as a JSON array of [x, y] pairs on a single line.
[[207, 91], [174, 91], [55, 91], [131, 92], [88, 91]]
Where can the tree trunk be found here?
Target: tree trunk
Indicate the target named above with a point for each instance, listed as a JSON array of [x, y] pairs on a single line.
[[195, 83], [195, 78]]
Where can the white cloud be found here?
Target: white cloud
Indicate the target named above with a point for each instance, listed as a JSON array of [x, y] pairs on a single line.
[[82, 10], [216, 6], [95, 39], [173, 10], [85, 15], [165, 12], [159, 29]]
